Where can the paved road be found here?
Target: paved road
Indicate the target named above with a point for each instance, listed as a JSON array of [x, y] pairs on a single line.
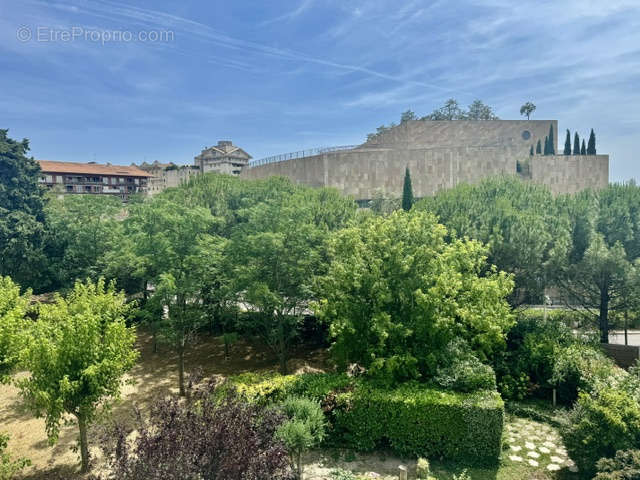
[[618, 337]]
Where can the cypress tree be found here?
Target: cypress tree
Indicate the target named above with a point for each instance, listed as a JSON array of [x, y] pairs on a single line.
[[539, 147], [552, 141], [567, 143], [583, 150], [546, 145], [576, 144], [591, 147], [531, 151], [407, 192]]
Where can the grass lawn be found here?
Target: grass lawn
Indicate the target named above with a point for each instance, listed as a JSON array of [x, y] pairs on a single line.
[[155, 376]]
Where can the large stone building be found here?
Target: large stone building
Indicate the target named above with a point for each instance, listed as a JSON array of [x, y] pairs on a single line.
[[93, 178], [440, 155], [224, 157]]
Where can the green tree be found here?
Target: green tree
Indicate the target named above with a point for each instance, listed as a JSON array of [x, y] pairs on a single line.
[[583, 148], [305, 428], [591, 147], [407, 116], [276, 257], [520, 223], [552, 141], [479, 111], [600, 274], [21, 213], [396, 294], [576, 144], [77, 354], [601, 281], [539, 147], [547, 149], [567, 143], [182, 315], [13, 325], [167, 238], [527, 109], [82, 230], [449, 111], [407, 192]]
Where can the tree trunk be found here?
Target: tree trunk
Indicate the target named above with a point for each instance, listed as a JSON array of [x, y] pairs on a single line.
[[604, 316], [299, 465], [154, 330], [626, 326], [282, 352], [181, 371], [84, 447]]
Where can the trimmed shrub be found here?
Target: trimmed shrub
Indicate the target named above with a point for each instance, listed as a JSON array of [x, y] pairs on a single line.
[[624, 466], [418, 421], [412, 419], [601, 424]]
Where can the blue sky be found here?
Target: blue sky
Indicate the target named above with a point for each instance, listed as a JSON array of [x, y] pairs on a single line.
[[279, 76]]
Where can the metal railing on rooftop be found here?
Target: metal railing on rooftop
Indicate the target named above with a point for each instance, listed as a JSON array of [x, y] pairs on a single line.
[[299, 154]]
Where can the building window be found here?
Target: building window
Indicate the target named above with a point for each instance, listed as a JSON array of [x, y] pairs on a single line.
[[526, 135]]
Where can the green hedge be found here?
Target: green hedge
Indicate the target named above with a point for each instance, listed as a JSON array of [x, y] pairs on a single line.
[[412, 419]]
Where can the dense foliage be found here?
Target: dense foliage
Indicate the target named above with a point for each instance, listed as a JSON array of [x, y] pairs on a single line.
[[205, 437], [518, 221], [600, 425], [397, 294], [544, 353], [13, 308], [21, 212], [624, 466]]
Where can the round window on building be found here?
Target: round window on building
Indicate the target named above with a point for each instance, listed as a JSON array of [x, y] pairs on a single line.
[[526, 135]]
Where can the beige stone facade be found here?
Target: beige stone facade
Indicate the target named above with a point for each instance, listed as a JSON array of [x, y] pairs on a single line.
[[441, 155], [224, 157]]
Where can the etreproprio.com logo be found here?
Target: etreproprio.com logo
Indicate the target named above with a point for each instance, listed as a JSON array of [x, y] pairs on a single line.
[[44, 34]]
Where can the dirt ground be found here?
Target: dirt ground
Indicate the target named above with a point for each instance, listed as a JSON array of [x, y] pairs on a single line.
[[155, 376]]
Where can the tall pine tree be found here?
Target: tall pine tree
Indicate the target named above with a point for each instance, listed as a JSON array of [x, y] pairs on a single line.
[[576, 144], [591, 147], [552, 141], [567, 143], [539, 147], [407, 192], [546, 145], [583, 149]]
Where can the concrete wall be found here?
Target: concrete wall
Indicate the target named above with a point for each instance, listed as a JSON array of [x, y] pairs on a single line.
[[363, 172], [441, 155], [570, 173], [467, 133]]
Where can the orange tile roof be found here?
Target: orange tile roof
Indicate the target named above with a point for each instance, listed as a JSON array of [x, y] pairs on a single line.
[[48, 166]]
